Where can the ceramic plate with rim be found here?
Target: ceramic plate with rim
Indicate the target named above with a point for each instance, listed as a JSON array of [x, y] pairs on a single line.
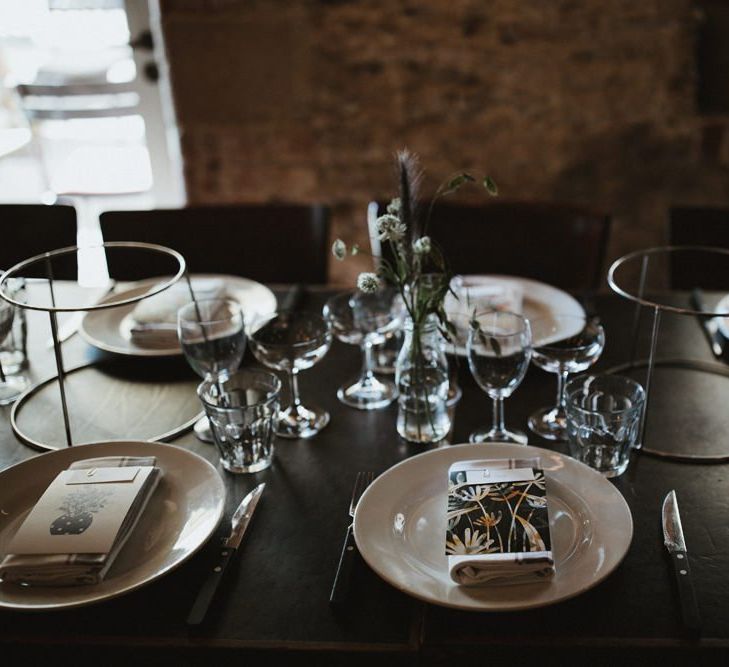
[[541, 301], [110, 329], [182, 514], [400, 529]]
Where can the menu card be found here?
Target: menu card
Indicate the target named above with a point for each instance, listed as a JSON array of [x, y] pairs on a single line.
[[498, 522], [80, 523]]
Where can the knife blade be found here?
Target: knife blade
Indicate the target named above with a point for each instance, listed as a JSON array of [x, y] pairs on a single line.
[[676, 544], [710, 325], [239, 523]]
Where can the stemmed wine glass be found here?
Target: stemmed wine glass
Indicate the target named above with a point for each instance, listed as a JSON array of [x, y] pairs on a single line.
[[11, 386], [365, 320], [563, 344], [499, 348], [293, 341], [213, 340]]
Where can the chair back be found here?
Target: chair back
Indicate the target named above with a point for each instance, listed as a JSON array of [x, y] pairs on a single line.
[[699, 226], [268, 243], [32, 229], [559, 244]]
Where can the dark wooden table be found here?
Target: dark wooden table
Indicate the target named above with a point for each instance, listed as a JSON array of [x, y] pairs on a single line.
[[275, 601]]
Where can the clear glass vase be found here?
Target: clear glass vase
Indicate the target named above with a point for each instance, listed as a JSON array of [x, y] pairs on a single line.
[[421, 375]]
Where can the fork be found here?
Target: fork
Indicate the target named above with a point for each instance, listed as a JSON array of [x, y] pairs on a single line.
[[340, 587]]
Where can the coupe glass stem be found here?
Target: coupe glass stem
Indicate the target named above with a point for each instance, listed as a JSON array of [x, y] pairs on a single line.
[[294, 385], [368, 376], [561, 383]]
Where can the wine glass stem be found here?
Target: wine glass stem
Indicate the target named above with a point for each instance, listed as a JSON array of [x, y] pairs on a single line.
[[498, 421], [561, 383], [294, 384]]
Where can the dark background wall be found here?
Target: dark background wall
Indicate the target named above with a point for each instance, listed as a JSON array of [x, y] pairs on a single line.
[[591, 101]]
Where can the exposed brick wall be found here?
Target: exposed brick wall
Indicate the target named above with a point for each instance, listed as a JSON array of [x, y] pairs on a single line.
[[582, 100]]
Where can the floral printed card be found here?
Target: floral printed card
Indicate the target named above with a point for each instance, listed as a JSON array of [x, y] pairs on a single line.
[[498, 507], [80, 512]]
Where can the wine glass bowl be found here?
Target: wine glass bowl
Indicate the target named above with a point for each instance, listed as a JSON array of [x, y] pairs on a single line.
[[563, 344], [292, 341], [365, 320], [499, 350], [11, 386], [213, 340]]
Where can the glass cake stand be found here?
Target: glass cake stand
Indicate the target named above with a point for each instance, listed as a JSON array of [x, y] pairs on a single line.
[[117, 260], [693, 428]]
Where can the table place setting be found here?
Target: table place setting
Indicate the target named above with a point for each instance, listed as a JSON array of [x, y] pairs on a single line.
[[151, 330], [154, 506], [506, 522]]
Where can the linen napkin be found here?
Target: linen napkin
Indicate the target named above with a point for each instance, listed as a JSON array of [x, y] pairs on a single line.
[[498, 522], [154, 320], [85, 506], [482, 293]]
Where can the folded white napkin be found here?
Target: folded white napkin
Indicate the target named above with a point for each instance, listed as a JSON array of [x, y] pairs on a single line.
[[482, 293], [71, 569], [498, 523], [154, 320]]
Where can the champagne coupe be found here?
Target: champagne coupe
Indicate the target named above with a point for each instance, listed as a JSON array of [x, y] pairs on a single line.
[[11, 386], [213, 341], [499, 349], [563, 344], [293, 341], [365, 320]]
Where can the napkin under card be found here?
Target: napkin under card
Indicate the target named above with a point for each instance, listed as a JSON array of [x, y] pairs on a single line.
[[81, 522], [154, 319], [498, 522]]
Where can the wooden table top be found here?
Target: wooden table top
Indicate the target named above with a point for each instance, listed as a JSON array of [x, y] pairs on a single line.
[[274, 602]]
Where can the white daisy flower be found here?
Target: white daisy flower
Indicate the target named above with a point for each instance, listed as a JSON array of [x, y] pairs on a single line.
[[368, 283], [394, 207], [422, 246], [389, 228]]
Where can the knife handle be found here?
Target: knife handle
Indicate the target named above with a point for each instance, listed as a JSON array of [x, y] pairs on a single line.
[[206, 593], [689, 606], [340, 589]]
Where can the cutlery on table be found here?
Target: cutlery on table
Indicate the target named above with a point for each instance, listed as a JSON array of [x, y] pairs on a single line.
[[676, 545], [710, 325], [344, 569], [238, 524], [73, 323]]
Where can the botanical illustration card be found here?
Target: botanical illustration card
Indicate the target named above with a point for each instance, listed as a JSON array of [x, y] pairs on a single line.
[[80, 512], [497, 507]]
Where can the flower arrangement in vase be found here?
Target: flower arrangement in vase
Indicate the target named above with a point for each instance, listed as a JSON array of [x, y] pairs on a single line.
[[416, 268]]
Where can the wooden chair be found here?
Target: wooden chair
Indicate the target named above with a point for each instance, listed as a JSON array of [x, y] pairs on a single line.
[[31, 229], [271, 243], [559, 244], [697, 226]]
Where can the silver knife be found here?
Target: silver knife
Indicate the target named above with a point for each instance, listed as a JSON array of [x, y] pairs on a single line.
[[709, 324], [238, 524], [676, 545]]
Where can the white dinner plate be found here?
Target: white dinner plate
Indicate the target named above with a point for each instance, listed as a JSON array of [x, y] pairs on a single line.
[[110, 329], [182, 514], [541, 301], [400, 529]]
